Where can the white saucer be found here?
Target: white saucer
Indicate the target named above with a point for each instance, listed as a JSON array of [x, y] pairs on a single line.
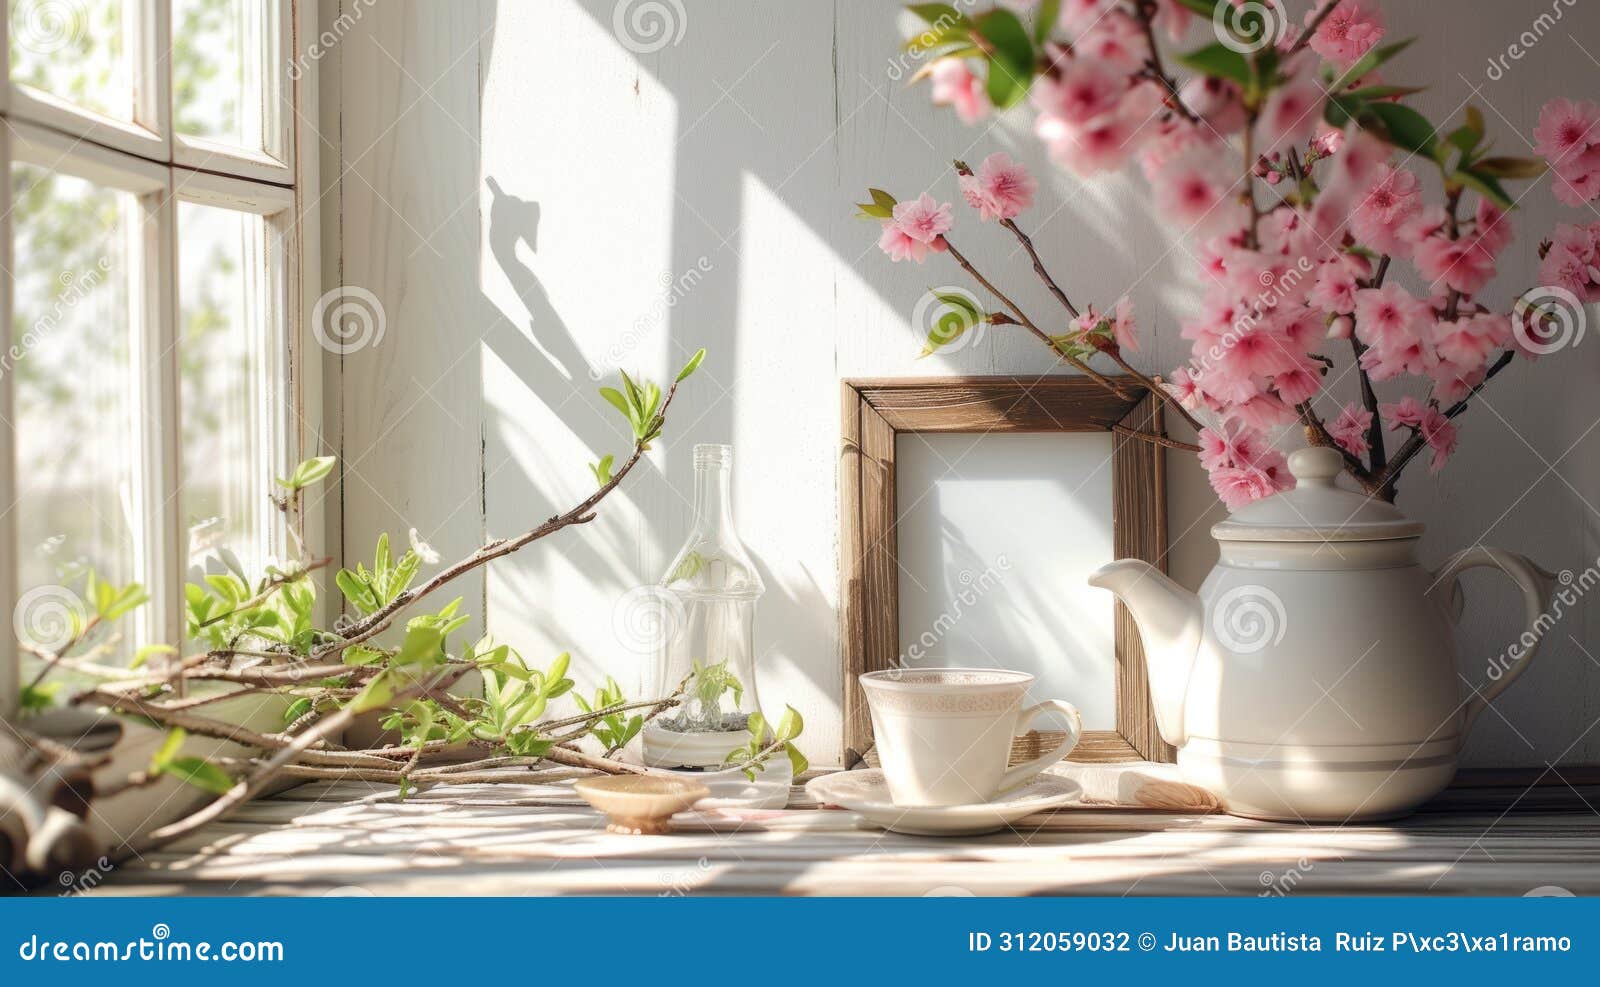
[[866, 792]]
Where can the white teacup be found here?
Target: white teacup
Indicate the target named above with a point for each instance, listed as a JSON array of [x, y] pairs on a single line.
[[944, 735]]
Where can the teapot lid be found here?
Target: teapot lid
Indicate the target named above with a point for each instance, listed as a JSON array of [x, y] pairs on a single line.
[[1316, 509]]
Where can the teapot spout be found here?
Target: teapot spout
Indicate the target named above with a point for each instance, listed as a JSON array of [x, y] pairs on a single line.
[[1170, 620]]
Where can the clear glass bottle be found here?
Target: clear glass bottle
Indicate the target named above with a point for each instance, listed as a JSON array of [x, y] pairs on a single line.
[[709, 643]]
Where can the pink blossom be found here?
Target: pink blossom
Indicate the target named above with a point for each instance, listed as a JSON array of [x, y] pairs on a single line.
[[1462, 264], [1194, 190], [1292, 112], [1466, 343], [1181, 385], [1216, 101], [1079, 14], [1174, 18], [1573, 261], [1237, 486], [1350, 429], [1336, 284], [1085, 90], [922, 219], [1565, 130], [1299, 385], [1407, 413], [1440, 434], [1393, 199], [1347, 33], [1123, 328], [955, 85], [1000, 188], [1115, 39], [1257, 352], [1263, 411], [899, 246], [1388, 315], [1492, 227], [1105, 142]]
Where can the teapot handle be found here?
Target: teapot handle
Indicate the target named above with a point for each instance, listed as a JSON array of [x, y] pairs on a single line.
[[1536, 591]]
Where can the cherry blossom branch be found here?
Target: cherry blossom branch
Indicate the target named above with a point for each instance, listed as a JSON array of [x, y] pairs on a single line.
[[1388, 478], [1311, 30], [1144, 11], [1022, 319], [1317, 434]]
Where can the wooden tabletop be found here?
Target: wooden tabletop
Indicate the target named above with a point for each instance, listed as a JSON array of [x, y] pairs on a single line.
[[357, 838]]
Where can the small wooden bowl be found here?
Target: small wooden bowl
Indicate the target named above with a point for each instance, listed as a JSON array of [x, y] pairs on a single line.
[[640, 804]]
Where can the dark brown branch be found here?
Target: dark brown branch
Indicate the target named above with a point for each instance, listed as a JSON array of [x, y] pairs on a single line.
[[1022, 319], [1145, 13], [1160, 440]]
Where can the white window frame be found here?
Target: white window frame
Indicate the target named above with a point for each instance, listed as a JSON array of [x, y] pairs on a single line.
[[163, 168]]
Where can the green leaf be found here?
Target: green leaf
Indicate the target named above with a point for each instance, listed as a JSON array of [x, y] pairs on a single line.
[[422, 645], [558, 668], [1219, 61], [1485, 185], [311, 471], [757, 726], [1045, 19], [1339, 110], [149, 651], [378, 693], [869, 210], [168, 750], [1501, 167], [617, 401], [1382, 92], [1205, 8], [790, 724], [297, 709], [1401, 126], [937, 13], [602, 470], [202, 774], [1011, 62], [797, 760], [691, 366], [961, 314], [1364, 65], [38, 698]]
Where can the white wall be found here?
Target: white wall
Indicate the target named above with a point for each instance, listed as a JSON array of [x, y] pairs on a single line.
[[522, 192]]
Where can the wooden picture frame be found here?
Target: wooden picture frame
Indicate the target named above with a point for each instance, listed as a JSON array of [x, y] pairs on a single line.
[[876, 410]]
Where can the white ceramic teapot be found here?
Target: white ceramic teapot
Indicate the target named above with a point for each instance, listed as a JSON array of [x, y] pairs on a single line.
[[1314, 677]]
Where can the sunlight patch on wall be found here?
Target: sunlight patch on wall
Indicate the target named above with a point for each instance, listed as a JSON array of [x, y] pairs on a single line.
[[577, 193]]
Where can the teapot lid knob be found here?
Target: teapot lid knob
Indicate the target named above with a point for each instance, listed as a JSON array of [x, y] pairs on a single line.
[[1316, 465]]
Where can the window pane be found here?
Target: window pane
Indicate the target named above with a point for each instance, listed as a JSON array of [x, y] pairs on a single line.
[[78, 50], [218, 57], [225, 358], [77, 427]]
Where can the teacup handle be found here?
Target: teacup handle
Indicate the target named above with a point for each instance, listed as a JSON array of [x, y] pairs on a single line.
[[1027, 769]]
